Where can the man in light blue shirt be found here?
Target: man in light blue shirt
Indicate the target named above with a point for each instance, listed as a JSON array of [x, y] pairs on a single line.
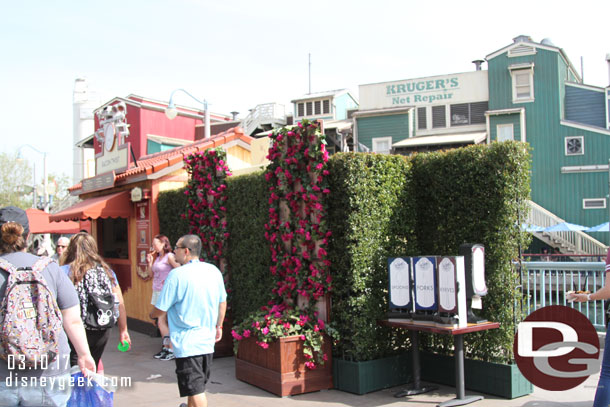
[[195, 301]]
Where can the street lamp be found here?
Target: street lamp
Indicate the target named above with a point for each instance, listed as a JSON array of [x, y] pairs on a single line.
[[45, 180], [171, 112]]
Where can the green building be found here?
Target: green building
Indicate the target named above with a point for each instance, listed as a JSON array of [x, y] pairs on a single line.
[[530, 92]]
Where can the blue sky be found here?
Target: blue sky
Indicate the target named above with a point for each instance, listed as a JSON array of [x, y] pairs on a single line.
[[241, 53]]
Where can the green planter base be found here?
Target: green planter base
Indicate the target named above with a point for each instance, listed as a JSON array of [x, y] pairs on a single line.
[[485, 377], [372, 375]]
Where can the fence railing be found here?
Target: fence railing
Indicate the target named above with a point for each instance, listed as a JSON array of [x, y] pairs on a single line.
[[546, 283]]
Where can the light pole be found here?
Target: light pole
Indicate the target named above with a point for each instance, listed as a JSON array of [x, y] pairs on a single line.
[[171, 112], [45, 179]]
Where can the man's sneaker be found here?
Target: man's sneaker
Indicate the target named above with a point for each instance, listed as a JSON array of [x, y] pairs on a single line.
[[161, 354], [169, 355]]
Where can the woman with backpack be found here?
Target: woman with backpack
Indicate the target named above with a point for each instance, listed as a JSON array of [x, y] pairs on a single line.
[[160, 263], [97, 288], [51, 302]]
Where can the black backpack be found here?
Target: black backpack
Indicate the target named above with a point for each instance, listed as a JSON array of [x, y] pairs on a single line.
[[96, 300]]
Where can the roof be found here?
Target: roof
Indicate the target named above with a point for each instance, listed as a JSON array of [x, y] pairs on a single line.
[[466, 138], [327, 93], [150, 164], [117, 205], [519, 42]]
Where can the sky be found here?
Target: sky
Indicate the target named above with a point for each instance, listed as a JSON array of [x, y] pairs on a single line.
[[238, 54]]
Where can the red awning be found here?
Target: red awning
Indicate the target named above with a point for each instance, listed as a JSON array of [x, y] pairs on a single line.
[[39, 223], [117, 205]]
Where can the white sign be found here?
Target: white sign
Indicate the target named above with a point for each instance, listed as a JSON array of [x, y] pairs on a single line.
[[424, 283], [446, 285], [399, 283], [434, 90], [111, 160]]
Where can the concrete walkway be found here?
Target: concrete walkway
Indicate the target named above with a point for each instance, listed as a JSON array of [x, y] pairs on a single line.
[[153, 383]]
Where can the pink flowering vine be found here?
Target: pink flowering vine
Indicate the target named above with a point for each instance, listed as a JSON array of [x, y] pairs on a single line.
[[206, 211]]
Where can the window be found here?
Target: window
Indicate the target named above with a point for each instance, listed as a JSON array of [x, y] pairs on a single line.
[[438, 117], [505, 132], [468, 113], [460, 114], [575, 145], [315, 107], [595, 203], [326, 106], [382, 145], [421, 118], [523, 84], [113, 234]]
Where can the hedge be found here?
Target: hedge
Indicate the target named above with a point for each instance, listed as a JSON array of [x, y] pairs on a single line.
[[371, 215], [248, 256], [477, 195], [170, 206]]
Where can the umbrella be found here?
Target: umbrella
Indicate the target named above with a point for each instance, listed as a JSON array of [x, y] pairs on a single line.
[[604, 227], [565, 227], [526, 227]]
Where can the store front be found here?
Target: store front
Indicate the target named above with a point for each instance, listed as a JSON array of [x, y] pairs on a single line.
[[120, 201]]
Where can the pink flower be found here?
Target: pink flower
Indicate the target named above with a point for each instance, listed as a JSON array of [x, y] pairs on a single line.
[[263, 345], [310, 365], [302, 337], [265, 331], [247, 333]]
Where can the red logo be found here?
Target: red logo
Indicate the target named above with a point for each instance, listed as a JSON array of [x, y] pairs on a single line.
[[556, 348]]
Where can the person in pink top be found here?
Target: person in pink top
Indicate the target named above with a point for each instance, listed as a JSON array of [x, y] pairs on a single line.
[[160, 262]]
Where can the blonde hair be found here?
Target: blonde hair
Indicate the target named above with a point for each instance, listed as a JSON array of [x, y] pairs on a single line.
[[12, 238], [82, 255]]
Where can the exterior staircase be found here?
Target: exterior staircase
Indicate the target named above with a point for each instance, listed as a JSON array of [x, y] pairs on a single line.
[[566, 242], [264, 117]]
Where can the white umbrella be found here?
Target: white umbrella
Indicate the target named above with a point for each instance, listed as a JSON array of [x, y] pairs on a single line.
[[604, 227], [526, 227], [565, 227]]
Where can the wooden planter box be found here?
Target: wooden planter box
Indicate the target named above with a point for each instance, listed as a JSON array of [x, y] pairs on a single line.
[[486, 377], [371, 375], [280, 369]]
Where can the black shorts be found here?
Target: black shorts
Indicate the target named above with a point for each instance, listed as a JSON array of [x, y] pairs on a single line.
[[193, 373]]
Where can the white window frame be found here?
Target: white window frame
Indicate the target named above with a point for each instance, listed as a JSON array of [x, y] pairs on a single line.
[[377, 140], [505, 126], [313, 108], [585, 200], [529, 71], [582, 143]]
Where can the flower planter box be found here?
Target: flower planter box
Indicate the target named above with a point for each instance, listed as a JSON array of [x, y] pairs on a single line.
[[371, 375], [280, 369], [486, 377]]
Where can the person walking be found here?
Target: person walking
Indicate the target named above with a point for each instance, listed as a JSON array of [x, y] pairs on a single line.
[[14, 232], [60, 247], [160, 264], [602, 394], [195, 301], [88, 272]]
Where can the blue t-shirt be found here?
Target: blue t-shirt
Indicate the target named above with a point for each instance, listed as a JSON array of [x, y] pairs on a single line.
[[191, 296]]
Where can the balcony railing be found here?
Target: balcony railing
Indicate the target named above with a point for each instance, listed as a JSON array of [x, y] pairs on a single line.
[[546, 283]]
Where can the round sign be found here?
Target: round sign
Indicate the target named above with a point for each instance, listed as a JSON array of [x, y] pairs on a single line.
[[556, 348], [109, 136]]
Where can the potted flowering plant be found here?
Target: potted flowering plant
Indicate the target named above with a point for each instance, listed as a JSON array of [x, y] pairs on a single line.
[[280, 321]]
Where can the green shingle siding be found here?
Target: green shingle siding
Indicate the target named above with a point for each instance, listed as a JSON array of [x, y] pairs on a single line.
[[395, 126]]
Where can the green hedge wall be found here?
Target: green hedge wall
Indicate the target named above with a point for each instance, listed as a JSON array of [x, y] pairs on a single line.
[[371, 216], [477, 195], [248, 255], [170, 206]]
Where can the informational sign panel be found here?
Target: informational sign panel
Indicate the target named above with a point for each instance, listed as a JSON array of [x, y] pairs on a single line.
[[425, 283], [447, 285], [143, 233], [400, 282], [434, 90]]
